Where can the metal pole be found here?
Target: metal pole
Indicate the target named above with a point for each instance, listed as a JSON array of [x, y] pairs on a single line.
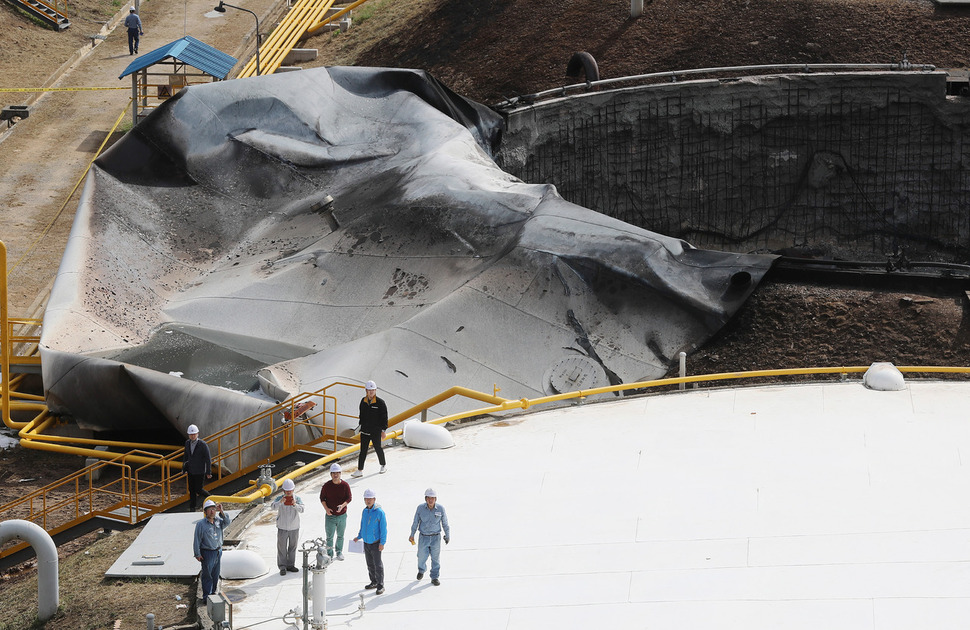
[[683, 368], [636, 8], [255, 17], [4, 341]]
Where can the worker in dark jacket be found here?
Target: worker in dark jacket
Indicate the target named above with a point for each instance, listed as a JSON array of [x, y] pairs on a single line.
[[373, 423], [197, 465]]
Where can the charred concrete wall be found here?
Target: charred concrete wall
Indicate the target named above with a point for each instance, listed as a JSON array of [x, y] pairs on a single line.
[[851, 165]]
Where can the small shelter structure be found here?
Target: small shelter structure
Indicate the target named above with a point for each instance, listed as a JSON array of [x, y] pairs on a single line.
[[161, 73]]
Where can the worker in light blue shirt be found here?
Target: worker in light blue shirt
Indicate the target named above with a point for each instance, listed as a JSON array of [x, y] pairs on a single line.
[[429, 520], [207, 545]]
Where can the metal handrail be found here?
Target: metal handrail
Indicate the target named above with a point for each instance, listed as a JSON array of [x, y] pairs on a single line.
[[674, 75]]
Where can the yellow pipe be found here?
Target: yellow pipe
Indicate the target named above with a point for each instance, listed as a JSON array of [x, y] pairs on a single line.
[[88, 452], [316, 27], [282, 40]]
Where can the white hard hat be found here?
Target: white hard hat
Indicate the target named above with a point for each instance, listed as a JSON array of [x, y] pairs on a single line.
[[370, 385], [288, 484], [335, 467], [132, 9], [431, 493], [369, 494], [208, 504], [192, 429]]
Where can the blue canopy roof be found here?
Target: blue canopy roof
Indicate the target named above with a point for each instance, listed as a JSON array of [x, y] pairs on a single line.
[[187, 50]]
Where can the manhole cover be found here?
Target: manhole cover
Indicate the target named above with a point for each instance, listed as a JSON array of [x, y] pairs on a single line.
[[574, 373]]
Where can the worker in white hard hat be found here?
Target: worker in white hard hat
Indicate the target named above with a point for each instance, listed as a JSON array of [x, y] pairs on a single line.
[[133, 24], [430, 519], [288, 508], [197, 465], [373, 531], [373, 424], [207, 545], [335, 496]]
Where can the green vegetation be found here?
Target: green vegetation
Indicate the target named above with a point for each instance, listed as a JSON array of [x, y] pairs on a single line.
[[367, 11]]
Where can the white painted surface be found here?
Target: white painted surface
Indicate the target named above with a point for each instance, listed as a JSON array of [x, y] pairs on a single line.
[[806, 507], [163, 548]]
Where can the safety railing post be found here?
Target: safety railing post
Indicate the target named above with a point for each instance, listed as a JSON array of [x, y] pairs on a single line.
[[683, 368]]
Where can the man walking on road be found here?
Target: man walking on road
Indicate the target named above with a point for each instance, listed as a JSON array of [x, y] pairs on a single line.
[[430, 518], [133, 24], [373, 423]]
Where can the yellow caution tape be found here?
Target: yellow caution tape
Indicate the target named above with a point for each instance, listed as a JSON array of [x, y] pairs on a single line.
[[68, 89]]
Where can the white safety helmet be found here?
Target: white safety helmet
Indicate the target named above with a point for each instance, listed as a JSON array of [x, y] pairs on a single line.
[[335, 467], [192, 429], [208, 504], [431, 493], [370, 385], [369, 494], [288, 484]]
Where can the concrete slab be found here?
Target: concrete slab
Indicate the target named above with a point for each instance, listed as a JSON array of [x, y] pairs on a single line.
[[821, 506], [162, 549]]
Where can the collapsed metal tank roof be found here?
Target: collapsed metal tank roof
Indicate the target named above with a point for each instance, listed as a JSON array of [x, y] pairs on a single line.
[[276, 234]]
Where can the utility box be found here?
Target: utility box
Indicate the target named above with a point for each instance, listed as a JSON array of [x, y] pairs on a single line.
[[219, 609]]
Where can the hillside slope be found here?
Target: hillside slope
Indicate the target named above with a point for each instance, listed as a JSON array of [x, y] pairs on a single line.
[[490, 49]]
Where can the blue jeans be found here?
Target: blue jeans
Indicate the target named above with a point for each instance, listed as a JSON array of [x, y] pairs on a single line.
[[335, 524], [211, 567], [132, 40], [429, 545]]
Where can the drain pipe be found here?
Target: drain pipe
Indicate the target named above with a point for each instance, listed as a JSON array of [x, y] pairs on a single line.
[[636, 8], [43, 544]]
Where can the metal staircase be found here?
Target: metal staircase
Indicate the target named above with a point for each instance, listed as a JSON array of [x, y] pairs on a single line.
[[54, 15]]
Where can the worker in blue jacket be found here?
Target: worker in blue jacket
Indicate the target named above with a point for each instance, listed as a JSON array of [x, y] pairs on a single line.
[[373, 531]]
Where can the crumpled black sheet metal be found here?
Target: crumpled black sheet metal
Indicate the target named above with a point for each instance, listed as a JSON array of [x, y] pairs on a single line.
[[209, 224]]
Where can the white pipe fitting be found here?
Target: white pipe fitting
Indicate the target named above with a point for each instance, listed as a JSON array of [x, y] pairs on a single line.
[[47, 584]]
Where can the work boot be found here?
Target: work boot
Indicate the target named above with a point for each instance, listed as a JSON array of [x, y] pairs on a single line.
[[420, 574], [435, 582]]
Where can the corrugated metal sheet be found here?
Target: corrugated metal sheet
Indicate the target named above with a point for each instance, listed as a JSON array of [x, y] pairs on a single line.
[[190, 51]]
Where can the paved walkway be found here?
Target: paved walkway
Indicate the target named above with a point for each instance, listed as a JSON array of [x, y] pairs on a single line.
[[814, 506], [43, 157]]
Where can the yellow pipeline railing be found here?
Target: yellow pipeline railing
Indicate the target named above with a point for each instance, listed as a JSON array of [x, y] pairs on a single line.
[[286, 35], [158, 484], [500, 405]]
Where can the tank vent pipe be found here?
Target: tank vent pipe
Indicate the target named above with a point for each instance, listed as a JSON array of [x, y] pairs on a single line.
[[43, 544]]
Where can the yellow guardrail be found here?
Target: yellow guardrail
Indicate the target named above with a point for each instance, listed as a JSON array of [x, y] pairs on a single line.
[[500, 405]]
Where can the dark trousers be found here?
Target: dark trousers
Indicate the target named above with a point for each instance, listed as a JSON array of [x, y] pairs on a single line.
[[375, 566], [132, 40], [211, 567], [365, 441], [197, 493]]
